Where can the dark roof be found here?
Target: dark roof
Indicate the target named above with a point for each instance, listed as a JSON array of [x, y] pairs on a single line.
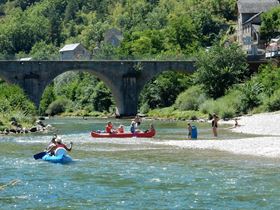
[[255, 6], [252, 18]]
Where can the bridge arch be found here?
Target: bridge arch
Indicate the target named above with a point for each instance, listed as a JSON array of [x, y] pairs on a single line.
[[116, 94], [124, 78]]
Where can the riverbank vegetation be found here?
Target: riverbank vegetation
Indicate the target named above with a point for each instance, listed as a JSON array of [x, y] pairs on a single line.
[[152, 29], [15, 105]]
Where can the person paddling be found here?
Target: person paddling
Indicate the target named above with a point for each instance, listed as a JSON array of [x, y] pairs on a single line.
[[59, 144]]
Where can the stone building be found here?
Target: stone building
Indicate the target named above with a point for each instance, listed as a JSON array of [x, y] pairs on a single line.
[[249, 21], [74, 52]]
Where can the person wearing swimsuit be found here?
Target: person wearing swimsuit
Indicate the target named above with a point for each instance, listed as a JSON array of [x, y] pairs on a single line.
[[215, 125]]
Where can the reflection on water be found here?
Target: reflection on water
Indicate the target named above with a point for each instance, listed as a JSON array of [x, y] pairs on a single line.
[[133, 173]]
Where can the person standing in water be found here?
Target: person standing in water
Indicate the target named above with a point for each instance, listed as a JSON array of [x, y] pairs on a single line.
[[189, 131], [215, 120]]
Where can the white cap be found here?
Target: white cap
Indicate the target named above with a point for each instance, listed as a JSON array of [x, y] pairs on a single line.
[[58, 139]]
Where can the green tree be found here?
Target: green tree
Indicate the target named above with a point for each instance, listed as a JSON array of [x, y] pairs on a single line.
[[143, 44], [102, 98], [270, 25], [71, 9], [23, 4], [43, 51], [163, 90], [220, 68], [180, 33], [208, 26], [47, 98]]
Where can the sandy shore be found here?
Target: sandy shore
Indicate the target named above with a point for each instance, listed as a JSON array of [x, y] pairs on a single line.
[[267, 124]]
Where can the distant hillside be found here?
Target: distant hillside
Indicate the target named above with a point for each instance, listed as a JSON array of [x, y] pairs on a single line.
[[150, 27]]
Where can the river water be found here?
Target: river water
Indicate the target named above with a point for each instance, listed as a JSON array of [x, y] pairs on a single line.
[[133, 173]]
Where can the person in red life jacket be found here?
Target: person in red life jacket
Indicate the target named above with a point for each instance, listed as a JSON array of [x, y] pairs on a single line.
[[121, 129], [59, 144], [109, 128]]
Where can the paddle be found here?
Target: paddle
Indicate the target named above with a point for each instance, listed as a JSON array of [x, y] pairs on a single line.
[[39, 155]]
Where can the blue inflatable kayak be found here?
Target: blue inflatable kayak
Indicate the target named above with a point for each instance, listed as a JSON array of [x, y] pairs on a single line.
[[59, 157]]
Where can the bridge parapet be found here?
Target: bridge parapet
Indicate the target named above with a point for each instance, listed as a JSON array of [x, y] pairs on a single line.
[[125, 78]]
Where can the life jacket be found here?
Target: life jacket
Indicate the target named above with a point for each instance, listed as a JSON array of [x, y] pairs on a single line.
[[108, 129], [60, 146], [120, 130]]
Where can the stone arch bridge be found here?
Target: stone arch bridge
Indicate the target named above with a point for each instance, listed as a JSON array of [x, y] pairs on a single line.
[[125, 79]]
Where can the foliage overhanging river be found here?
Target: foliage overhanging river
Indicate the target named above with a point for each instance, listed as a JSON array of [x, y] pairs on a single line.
[[133, 173]]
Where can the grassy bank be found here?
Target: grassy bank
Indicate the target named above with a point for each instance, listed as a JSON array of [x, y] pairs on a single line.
[[25, 120], [15, 106]]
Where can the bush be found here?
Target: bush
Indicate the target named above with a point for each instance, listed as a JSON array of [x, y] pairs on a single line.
[[225, 107], [190, 99], [251, 96], [273, 103], [144, 108], [58, 106], [209, 106], [15, 104], [171, 113], [269, 78]]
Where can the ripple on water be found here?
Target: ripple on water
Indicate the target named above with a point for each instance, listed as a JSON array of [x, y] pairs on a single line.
[[133, 174]]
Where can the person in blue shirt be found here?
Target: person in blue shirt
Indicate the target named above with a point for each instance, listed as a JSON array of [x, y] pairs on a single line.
[[132, 127]]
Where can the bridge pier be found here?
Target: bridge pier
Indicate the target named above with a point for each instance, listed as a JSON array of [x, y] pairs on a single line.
[[129, 100], [34, 89]]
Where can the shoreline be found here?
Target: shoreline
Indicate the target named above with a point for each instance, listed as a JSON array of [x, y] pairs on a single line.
[[268, 145]]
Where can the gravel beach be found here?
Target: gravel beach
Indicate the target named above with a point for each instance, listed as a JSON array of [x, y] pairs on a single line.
[[267, 124]]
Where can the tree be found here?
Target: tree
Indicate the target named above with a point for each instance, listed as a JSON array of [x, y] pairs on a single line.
[[43, 51], [24, 4], [71, 10], [163, 90], [102, 98], [270, 26], [47, 98], [208, 26], [180, 32], [220, 68], [144, 43]]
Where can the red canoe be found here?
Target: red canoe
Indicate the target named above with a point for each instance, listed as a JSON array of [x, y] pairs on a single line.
[[148, 134]]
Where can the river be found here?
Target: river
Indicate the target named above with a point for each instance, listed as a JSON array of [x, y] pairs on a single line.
[[133, 173]]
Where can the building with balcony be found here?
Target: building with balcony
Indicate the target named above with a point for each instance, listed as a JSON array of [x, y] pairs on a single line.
[[249, 22]]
